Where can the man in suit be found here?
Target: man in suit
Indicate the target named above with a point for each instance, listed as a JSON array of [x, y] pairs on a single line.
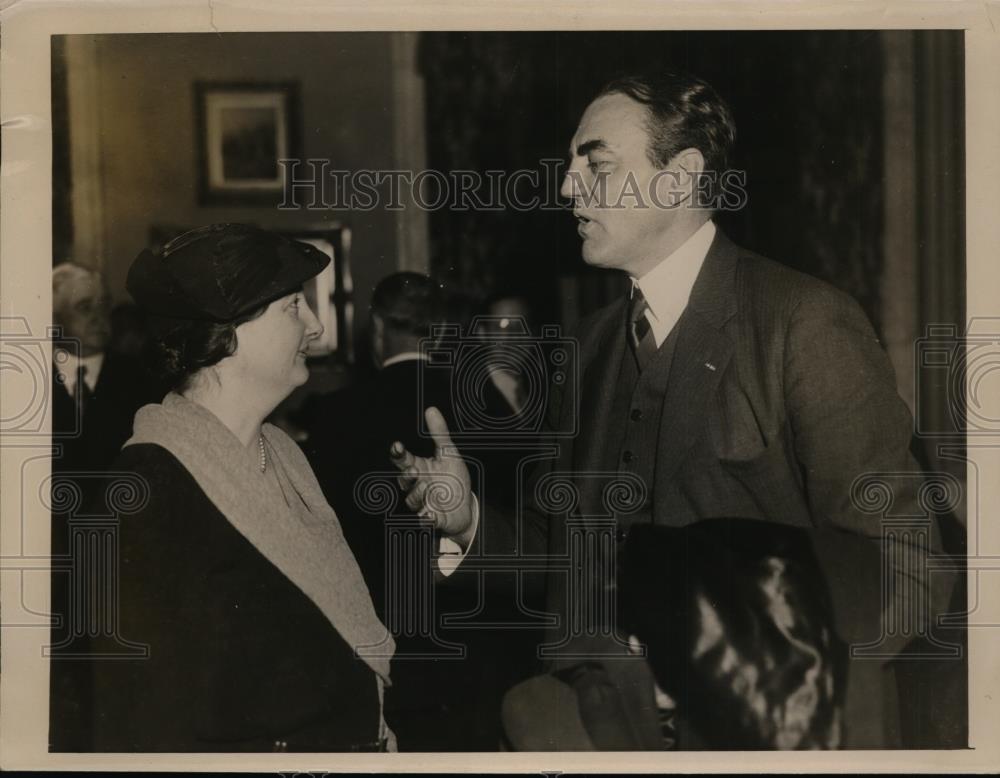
[[439, 703], [95, 395], [724, 385]]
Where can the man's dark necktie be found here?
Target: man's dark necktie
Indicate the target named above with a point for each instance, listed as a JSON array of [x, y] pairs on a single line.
[[640, 333], [81, 392]]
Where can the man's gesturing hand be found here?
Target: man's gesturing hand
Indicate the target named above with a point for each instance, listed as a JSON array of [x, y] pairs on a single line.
[[438, 487]]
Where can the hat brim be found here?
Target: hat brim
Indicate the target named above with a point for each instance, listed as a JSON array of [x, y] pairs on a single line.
[[198, 283]]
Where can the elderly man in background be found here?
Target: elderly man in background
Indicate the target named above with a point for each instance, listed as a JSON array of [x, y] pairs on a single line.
[[96, 392]]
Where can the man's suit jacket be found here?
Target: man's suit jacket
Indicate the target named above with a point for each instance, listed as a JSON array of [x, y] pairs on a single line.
[[779, 397], [92, 442]]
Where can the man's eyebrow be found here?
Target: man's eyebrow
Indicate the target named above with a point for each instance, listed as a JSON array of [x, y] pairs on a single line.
[[597, 144]]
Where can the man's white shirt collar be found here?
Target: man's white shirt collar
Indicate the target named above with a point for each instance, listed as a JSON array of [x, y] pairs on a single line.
[[668, 286], [66, 365]]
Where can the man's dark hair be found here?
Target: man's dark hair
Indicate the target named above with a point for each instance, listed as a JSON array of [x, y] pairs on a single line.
[[409, 302], [683, 112]]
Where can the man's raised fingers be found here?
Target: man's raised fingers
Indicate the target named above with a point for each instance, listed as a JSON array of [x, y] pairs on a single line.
[[438, 428], [400, 457], [415, 497], [407, 478]]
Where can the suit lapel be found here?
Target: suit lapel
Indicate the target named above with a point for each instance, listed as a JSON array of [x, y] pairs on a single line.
[[598, 392], [105, 379], [700, 359], [702, 354]]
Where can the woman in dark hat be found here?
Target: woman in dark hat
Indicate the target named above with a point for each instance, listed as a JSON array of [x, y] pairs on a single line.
[[233, 571]]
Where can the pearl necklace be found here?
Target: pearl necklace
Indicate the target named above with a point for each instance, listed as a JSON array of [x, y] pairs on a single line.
[[263, 454]]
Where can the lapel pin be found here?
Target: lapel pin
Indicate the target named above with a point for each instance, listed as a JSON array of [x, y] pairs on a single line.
[[710, 366]]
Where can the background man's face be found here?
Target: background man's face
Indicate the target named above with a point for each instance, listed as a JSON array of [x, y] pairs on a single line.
[[622, 226], [86, 316]]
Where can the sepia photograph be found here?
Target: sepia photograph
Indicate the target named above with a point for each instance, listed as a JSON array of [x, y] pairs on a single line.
[[475, 393]]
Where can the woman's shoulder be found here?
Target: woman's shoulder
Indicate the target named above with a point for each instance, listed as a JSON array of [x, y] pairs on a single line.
[[156, 473], [147, 454], [149, 460]]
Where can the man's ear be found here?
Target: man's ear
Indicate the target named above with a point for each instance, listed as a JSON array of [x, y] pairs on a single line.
[[690, 161], [689, 164]]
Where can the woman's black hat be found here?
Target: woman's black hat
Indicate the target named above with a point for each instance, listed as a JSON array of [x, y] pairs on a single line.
[[221, 272]]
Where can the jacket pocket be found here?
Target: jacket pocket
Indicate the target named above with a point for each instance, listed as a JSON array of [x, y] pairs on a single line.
[[769, 479], [735, 430]]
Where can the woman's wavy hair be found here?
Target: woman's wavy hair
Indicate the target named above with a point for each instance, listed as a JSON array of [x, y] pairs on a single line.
[[184, 347]]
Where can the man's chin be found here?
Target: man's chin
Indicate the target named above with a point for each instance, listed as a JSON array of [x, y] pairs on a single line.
[[594, 257]]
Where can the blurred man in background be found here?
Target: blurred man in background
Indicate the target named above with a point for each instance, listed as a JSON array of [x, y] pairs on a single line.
[[504, 317], [435, 703]]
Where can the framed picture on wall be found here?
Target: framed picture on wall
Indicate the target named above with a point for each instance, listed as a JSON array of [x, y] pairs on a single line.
[[244, 129]]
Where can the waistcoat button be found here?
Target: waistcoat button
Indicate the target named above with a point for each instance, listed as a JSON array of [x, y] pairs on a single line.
[[636, 414], [628, 456]]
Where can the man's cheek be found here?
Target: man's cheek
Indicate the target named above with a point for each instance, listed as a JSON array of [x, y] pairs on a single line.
[[605, 191]]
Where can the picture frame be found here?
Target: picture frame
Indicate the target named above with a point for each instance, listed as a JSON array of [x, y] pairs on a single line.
[[243, 130]]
